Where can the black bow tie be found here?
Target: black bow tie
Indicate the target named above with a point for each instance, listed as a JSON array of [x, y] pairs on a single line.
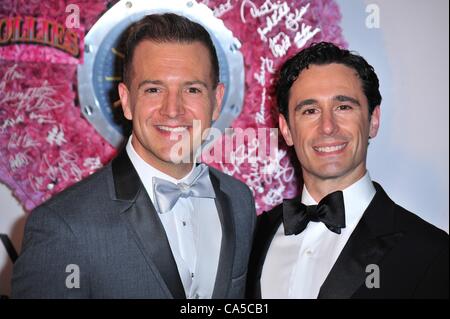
[[329, 211]]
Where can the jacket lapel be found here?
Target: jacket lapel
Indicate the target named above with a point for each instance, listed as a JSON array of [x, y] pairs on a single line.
[[146, 227], [372, 238], [266, 226], [226, 257]]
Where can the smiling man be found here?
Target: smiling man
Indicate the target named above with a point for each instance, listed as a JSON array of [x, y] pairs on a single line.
[[343, 237], [149, 225]]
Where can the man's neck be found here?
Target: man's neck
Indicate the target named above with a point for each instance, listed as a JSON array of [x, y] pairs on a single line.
[[175, 170], [319, 188]]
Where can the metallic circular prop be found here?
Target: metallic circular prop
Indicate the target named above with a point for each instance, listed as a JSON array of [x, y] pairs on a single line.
[[101, 71]]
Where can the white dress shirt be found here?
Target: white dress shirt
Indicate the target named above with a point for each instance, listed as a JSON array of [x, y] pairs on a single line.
[[296, 266], [193, 230]]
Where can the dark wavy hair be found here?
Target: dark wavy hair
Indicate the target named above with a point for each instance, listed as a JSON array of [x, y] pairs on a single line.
[[324, 53], [168, 27]]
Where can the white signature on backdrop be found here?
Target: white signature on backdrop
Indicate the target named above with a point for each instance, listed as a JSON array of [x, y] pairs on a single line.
[[280, 26], [35, 105]]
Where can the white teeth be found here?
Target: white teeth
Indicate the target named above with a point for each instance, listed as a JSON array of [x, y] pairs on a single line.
[[172, 129], [329, 149]]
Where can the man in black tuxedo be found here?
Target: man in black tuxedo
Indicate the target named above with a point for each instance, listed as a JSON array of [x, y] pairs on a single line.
[[151, 224], [343, 237]]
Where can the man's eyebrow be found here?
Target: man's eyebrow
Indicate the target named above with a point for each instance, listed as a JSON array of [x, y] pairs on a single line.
[[305, 102], [157, 82], [345, 98], [196, 82]]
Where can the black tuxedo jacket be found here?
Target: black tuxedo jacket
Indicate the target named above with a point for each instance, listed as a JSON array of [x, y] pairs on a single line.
[[412, 255], [107, 226]]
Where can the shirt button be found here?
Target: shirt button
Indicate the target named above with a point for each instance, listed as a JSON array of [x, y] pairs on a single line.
[[309, 252], [196, 296], [184, 223]]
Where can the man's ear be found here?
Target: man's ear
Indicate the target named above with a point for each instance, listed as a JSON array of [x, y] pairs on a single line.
[[374, 122], [220, 91], [124, 95], [285, 131]]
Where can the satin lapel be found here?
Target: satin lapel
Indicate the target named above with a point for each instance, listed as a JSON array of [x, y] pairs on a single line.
[[266, 226], [226, 258], [372, 238], [146, 227]]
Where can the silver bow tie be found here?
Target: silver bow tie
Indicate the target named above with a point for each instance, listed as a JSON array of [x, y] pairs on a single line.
[[197, 185]]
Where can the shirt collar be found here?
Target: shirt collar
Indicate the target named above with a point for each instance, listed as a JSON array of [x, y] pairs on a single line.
[[357, 198], [146, 172]]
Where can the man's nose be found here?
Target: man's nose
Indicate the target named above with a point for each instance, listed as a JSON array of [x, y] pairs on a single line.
[[328, 124], [172, 105]]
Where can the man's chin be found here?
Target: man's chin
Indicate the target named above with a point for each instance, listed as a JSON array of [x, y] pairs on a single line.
[[179, 160], [328, 172]]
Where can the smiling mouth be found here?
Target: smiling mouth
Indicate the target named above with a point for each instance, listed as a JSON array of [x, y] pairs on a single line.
[[172, 129], [330, 149]]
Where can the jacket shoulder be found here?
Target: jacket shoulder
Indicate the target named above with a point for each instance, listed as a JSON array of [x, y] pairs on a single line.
[[424, 231], [92, 187], [405, 221], [79, 202]]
